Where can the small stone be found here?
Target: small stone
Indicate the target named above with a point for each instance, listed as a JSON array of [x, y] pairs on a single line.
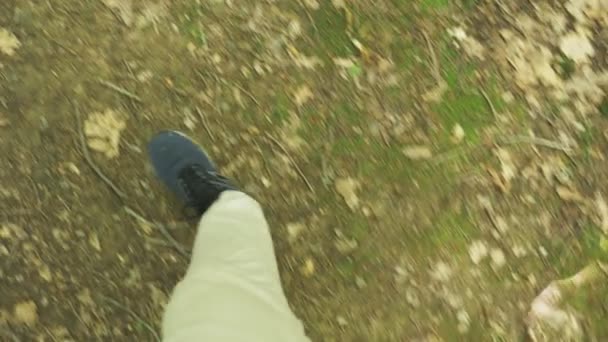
[[341, 321], [26, 313]]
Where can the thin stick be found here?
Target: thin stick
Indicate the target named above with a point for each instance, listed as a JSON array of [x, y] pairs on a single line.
[[250, 95], [536, 141], [205, 124], [132, 313], [489, 101], [120, 90], [295, 165], [78, 315], [89, 159], [436, 69], [178, 247]]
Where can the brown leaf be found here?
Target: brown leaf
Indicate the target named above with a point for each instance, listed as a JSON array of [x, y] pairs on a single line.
[[302, 95], [499, 181], [569, 195], [8, 42], [347, 188], [417, 152], [26, 313]]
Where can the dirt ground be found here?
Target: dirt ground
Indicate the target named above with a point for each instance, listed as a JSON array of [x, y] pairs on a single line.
[[428, 167]]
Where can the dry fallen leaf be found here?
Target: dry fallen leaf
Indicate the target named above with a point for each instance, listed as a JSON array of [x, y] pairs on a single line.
[[478, 251], [569, 195], [294, 230], [338, 4], [94, 241], [577, 47], [302, 95], [308, 268], [347, 188], [4, 120], [436, 93], [417, 152], [457, 134], [103, 132], [312, 4], [602, 208], [25, 313], [499, 181], [346, 246], [123, 8], [8, 42]]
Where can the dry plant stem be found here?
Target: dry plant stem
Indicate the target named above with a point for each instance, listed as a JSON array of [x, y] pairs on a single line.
[[178, 247], [536, 141], [120, 90], [436, 68], [205, 124], [293, 162], [89, 159], [489, 101], [250, 95], [147, 325]]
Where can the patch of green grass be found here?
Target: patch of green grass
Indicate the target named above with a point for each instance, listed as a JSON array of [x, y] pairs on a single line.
[[435, 4], [464, 103], [587, 139], [565, 67], [470, 4], [451, 231], [570, 254], [280, 111], [346, 267], [331, 34], [604, 108], [190, 25]]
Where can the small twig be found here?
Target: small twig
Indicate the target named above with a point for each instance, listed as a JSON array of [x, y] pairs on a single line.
[[51, 335], [89, 159], [178, 247], [489, 101], [250, 95], [120, 90], [78, 315], [436, 68], [147, 325], [293, 162], [205, 123], [536, 141]]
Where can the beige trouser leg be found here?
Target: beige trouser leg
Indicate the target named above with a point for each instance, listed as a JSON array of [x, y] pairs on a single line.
[[232, 290]]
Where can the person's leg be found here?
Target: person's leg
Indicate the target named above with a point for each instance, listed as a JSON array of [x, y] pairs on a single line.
[[232, 289]]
